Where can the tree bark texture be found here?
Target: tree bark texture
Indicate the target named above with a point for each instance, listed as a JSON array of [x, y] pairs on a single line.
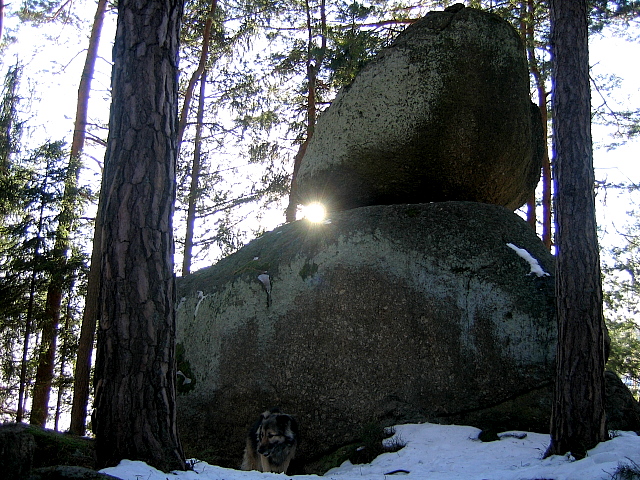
[[577, 422], [82, 375], [135, 408]]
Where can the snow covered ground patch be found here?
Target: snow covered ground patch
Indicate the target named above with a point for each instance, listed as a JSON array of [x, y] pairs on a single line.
[[441, 452]]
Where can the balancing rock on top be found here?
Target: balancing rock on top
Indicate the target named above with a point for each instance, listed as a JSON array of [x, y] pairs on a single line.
[[442, 114]]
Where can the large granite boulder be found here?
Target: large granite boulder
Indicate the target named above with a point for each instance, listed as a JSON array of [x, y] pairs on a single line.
[[390, 314], [30, 452], [17, 448], [443, 114]]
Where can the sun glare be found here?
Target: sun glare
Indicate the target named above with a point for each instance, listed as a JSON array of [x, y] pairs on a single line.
[[314, 212]]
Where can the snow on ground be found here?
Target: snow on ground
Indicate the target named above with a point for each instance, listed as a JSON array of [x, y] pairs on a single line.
[[442, 452]]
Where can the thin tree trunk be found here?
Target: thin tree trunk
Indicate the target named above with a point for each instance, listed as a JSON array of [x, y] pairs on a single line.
[[63, 363], [1, 18], [135, 378], [547, 235], [202, 64], [542, 104], [87, 331], [82, 376], [200, 73], [46, 357], [292, 207], [313, 67], [578, 421], [526, 27], [195, 181], [27, 338]]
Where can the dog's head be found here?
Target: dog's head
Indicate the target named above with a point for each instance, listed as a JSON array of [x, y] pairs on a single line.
[[276, 435]]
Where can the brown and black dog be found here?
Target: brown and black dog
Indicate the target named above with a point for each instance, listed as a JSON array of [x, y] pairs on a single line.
[[271, 443]]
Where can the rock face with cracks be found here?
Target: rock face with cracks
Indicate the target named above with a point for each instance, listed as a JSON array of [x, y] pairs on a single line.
[[386, 314], [443, 114]]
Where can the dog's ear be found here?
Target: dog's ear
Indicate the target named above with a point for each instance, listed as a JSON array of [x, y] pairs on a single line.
[[289, 426], [271, 411]]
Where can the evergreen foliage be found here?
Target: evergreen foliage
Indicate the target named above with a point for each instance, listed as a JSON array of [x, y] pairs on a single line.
[[28, 259], [621, 269]]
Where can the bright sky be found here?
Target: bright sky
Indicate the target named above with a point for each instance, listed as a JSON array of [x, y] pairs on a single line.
[[613, 55]]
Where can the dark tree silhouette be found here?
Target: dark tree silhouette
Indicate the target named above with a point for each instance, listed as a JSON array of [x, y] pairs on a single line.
[[135, 410], [578, 421]]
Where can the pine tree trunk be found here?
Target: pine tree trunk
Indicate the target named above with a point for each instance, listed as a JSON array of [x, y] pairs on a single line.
[[202, 64], [313, 67], [82, 375], [542, 105], [546, 164], [528, 33], [46, 357], [578, 421], [1, 18], [87, 331], [195, 181], [64, 359], [135, 404]]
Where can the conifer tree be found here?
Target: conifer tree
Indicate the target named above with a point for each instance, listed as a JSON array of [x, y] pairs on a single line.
[[577, 420]]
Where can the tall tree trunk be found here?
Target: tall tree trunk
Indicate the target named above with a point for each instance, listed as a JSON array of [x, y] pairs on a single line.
[[64, 358], [81, 380], [46, 357], [195, 181], [66, 225], [202, 64], [542, 104], [1, 18], [82, 376], [578, 421], [547, 235], [135, 377], [526, 27], [200, 73], [28, 329], [313, 67]]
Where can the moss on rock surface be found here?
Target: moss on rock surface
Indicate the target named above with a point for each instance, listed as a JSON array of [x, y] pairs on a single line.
[[397, 314]]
